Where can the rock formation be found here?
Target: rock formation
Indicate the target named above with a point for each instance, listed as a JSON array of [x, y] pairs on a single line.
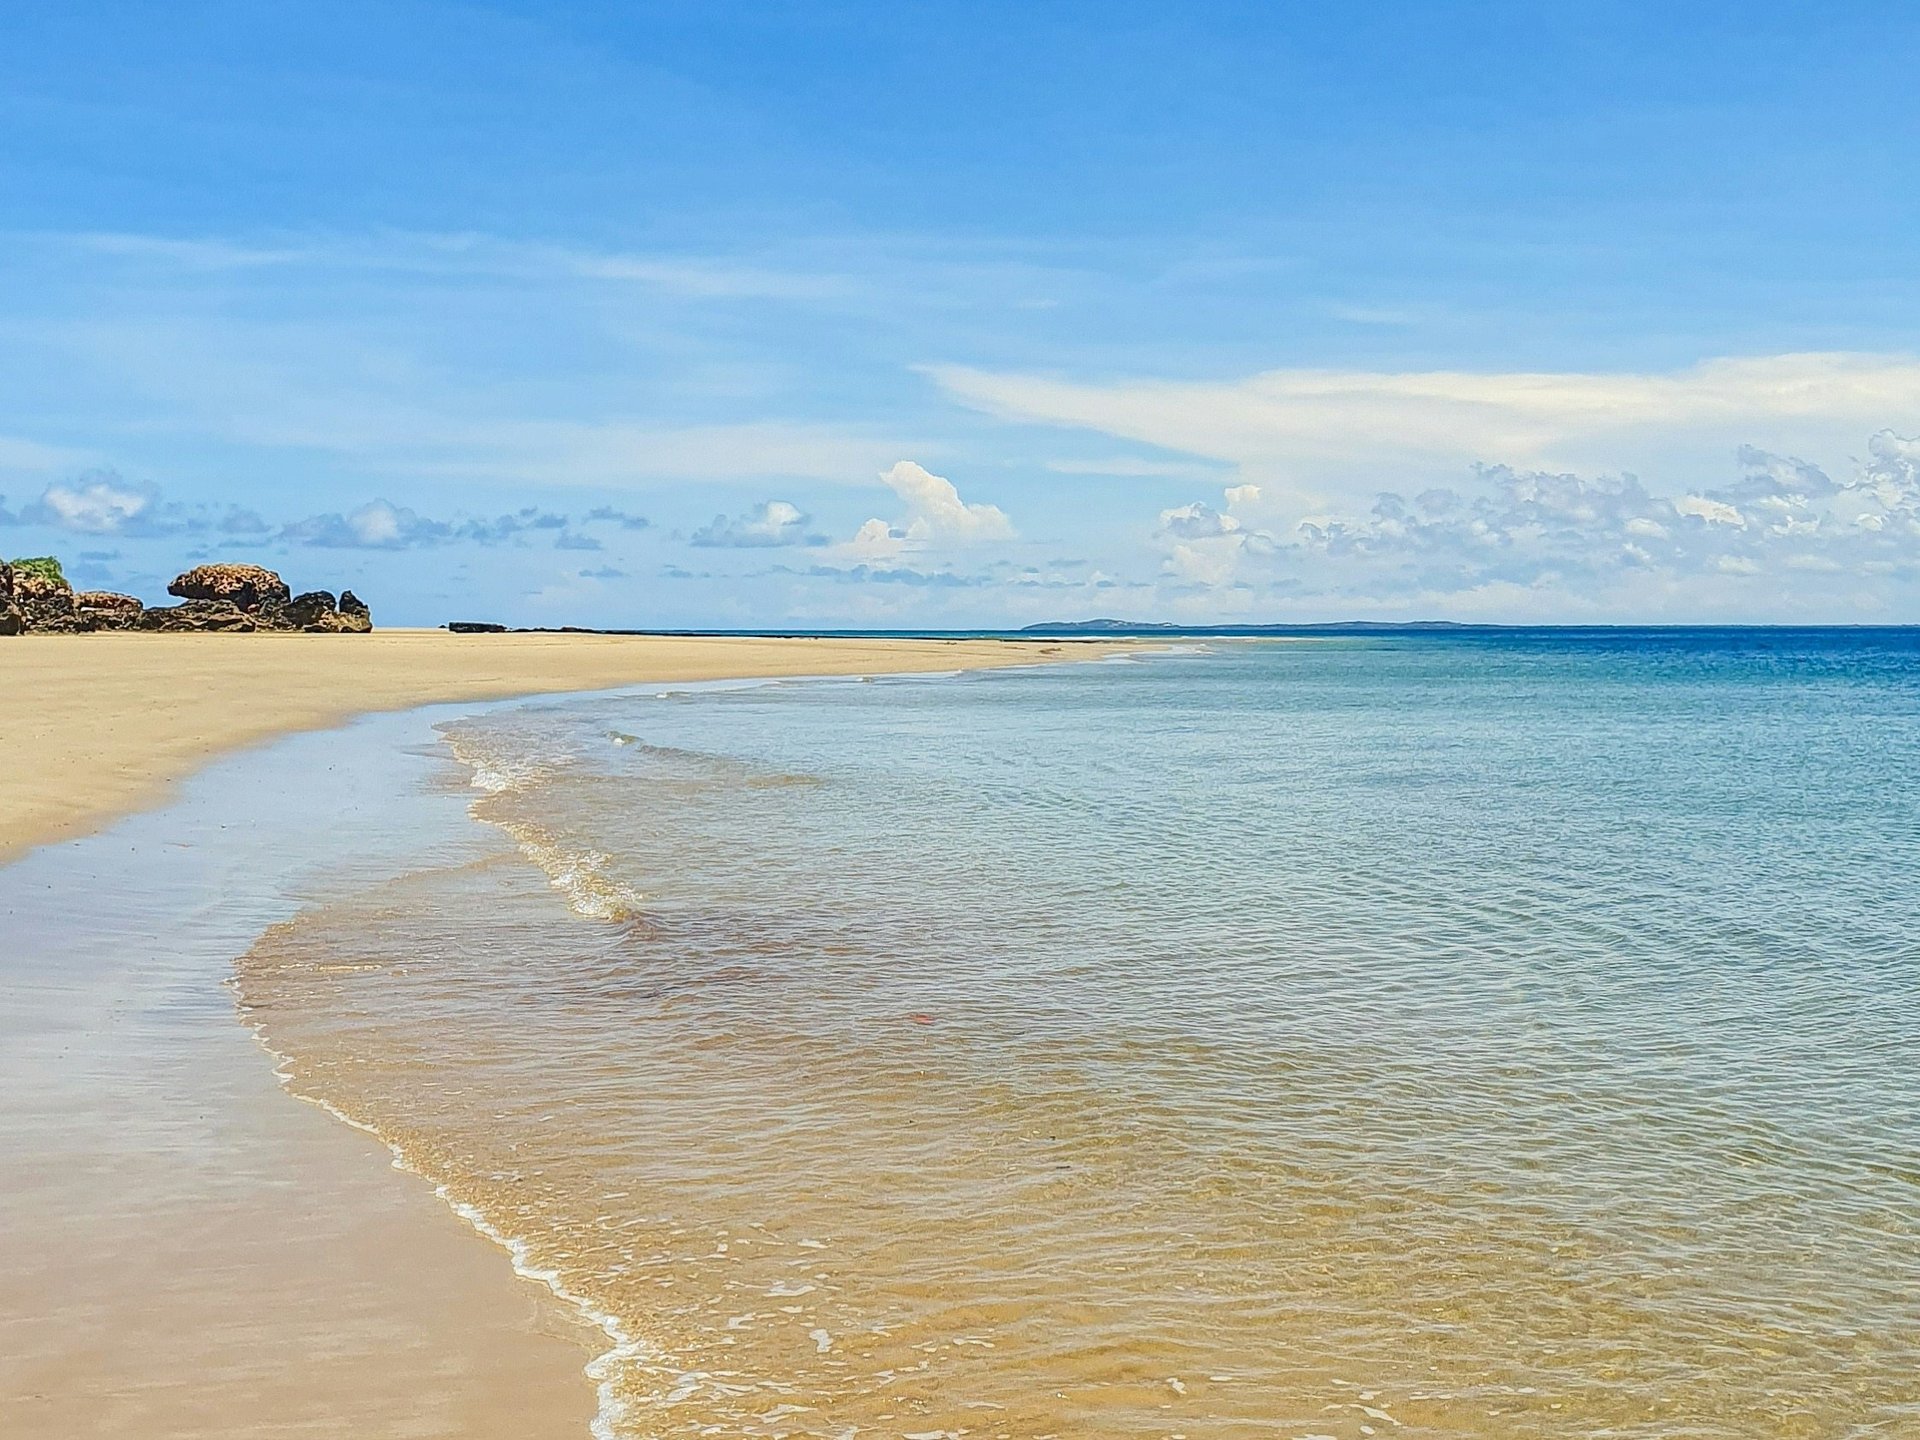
[[264, 602], [12, 621], [35, 597], [247, 586], [198, 615], [106, 610], [45, 601], [310, 609]]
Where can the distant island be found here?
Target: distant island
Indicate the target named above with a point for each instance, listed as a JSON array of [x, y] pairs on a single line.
[[1151, 627]]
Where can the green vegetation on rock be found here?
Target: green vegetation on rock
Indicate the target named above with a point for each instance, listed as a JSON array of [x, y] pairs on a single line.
[[39, 567]]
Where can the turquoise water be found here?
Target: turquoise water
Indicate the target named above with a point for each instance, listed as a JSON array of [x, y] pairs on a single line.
[[1501, 1035]]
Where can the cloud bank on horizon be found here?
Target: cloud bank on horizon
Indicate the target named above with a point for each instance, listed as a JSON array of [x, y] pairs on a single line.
[[1202, 325]]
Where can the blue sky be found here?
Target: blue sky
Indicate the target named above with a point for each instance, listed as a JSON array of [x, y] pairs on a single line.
[[836, 314]]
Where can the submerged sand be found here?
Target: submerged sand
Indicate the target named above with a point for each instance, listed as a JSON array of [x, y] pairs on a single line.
[[98, 725], [185, 1250]]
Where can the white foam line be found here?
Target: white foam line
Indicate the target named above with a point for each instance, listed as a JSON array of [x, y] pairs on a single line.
[[604, 1369]]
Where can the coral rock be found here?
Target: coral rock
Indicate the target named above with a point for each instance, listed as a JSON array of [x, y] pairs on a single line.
[[304, 612], [247, 586], [46, 605], [106, 610], [12, 622], [198, 615], [353, 610]]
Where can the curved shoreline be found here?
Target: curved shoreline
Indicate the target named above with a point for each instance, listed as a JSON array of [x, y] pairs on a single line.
[[348, 1291], [115, 719]]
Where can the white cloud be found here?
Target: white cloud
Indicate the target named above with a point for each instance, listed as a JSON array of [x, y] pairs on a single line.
[[774, 523], [936, 518], [382, 525], [1589, 542], [1196, 521], [1714, 512], [100, 503], [1305, 427], [874, 540], [936, 511]]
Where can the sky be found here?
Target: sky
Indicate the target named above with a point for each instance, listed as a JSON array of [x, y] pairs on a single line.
[[970, 315]]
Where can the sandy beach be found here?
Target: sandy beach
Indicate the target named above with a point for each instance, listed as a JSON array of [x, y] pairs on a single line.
[[103, 724], [184, 1249]]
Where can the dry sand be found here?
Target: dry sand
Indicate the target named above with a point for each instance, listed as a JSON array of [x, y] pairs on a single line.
[[93, 726], [184, 1249]]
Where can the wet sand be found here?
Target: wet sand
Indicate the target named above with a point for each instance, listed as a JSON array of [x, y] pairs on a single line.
[[99, 725], [185, 1250]]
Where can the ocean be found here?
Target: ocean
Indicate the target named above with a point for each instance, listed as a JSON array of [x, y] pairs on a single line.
[[1439, 1036]]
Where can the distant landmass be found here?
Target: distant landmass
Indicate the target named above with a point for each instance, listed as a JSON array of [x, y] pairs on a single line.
[[1148, 627]]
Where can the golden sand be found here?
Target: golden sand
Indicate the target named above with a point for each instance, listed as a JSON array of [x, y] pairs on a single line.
[[185, 1250], [94, 726]]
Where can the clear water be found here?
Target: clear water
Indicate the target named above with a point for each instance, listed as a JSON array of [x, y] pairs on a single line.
[[1431, 1037]]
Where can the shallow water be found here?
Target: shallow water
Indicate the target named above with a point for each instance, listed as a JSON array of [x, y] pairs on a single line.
[[1435, 1037]]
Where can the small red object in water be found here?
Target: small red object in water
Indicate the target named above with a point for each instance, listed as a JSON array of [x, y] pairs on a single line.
[[921, 1019]]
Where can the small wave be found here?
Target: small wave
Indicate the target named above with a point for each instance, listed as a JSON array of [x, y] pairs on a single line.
[[492, 772], [577, 875]]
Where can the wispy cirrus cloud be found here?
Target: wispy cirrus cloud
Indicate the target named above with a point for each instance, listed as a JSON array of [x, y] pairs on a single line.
[[318, 390], [1304, 425], [714, 277]]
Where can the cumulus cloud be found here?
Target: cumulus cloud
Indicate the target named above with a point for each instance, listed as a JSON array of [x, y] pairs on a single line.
[[377, 525], [875, 540], [1207, 545], [936, 517], [1197, 521], [1590, 536], [98, 503], [936, 510], [774, 523]]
